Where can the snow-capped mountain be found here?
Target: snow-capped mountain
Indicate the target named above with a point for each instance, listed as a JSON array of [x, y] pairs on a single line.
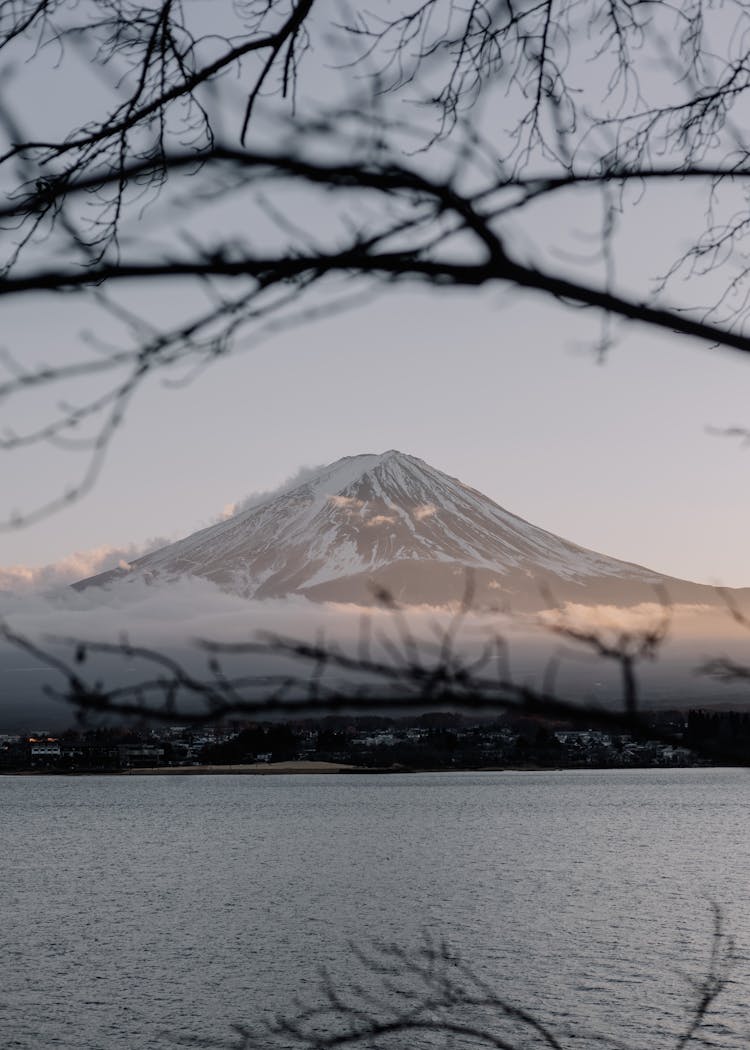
[[392, 522]]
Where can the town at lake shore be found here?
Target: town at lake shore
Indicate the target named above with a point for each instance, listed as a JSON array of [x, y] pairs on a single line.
[[338, 743]]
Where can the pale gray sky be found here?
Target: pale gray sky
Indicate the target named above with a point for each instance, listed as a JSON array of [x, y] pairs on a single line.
[[504, 393], [499, 389]]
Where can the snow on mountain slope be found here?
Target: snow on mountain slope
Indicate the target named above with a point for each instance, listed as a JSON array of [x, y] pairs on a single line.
[[393, 521]]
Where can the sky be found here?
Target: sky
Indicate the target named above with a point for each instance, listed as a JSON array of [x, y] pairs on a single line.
[[505, 390], [502, 389], [506, 394]]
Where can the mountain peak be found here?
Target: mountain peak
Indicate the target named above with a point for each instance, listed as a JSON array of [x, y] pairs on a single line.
[[338, 477], [348, 469]]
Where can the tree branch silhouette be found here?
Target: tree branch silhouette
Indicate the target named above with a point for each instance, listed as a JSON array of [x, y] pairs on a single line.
[[404, 993], [403, 170]]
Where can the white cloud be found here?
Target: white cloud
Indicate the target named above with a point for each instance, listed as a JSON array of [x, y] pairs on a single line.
[[256, 499], [381, 519], [426, 510], [27, 579], [640, 617], [170, 617], [347, 502]]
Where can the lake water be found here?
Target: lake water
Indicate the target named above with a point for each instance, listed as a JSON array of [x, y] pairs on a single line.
[[145, 911]]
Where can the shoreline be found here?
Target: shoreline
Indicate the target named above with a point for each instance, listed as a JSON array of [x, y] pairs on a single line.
[[307, 768], [257, 769]]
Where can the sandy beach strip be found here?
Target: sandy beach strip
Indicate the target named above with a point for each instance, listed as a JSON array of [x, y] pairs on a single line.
[[252, 769]]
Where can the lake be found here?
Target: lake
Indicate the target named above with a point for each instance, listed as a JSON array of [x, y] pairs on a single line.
[[146, 911]]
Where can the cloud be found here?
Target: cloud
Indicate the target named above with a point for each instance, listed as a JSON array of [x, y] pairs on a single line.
[[347, 502], [256, 499], [381, 519], [426, 510], [28, 579], [642, 617], [170, 617]]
